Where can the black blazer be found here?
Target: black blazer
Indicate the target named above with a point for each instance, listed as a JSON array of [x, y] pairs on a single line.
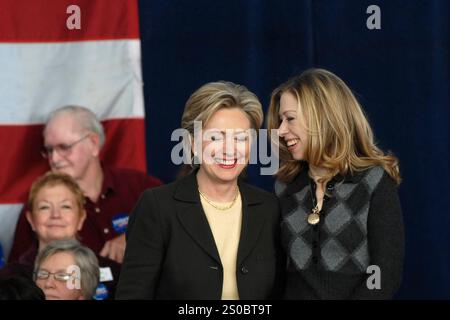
[[171, 253]]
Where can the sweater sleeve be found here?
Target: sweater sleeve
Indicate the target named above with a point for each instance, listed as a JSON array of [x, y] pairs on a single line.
[[385, 240], [144, 252]]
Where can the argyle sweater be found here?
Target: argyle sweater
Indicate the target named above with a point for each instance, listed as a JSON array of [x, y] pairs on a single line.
[[360, 225]]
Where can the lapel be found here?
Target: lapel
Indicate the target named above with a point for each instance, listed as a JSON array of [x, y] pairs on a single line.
[[191, 216], [252, 220]]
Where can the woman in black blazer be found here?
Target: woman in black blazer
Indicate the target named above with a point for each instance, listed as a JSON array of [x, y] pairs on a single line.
[[208, 235]]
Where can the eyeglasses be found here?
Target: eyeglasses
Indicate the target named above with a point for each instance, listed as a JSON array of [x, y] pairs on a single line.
[[63, 149], [59, 276]]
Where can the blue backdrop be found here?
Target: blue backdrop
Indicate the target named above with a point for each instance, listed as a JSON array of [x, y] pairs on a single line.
[[400, 74]]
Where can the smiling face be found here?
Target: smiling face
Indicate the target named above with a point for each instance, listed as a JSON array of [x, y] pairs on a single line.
[[56, 289], [292, 128], [225, 146], [55, 214]]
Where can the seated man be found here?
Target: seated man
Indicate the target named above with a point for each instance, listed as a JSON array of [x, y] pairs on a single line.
[[73, 137]]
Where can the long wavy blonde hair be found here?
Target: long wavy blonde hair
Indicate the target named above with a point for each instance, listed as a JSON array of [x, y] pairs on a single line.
[[340, 137]]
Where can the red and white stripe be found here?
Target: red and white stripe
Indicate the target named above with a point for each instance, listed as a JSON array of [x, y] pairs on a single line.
[[45, 66]]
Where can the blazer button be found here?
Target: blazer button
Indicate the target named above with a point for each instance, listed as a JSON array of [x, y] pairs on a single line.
[[330, 186], [244, 270]]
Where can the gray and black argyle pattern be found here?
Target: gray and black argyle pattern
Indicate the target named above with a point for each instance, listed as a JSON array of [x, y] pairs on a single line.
[[339, 242]]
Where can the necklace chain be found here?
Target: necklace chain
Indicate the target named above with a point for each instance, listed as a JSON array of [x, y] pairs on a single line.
[[222, 208]]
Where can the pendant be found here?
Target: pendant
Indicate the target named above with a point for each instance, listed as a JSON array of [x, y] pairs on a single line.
[[313, 218]]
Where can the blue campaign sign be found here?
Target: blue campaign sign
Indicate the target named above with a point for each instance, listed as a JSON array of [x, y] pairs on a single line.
[[120, 222], [101, 293], [2, 257]]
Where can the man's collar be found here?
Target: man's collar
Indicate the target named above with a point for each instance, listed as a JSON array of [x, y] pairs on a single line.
[[108, 180]]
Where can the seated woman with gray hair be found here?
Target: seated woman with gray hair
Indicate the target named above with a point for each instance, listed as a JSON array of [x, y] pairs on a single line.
[[66, 270]]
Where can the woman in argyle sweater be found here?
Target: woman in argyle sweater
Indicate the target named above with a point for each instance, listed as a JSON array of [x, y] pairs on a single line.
[[342, 225]]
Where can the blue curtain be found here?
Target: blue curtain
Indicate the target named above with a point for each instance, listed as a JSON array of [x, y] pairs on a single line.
[[400, 73]]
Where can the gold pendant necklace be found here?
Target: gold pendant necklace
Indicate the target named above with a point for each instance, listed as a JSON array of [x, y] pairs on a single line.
[[222, 208], [314, 216]]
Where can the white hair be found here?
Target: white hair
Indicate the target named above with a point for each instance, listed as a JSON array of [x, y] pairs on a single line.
[[84, 117]]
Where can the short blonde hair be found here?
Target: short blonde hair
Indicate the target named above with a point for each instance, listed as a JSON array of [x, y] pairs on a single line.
[[340, 137], [209, 98], [51, 179]]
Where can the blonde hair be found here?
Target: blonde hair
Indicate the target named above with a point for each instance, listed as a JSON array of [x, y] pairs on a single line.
[[211, 97], [51, 179], [340, 137]]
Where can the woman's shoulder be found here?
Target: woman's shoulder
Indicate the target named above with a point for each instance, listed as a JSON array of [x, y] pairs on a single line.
[[373, 183], [162, 190], [154, 203], [298, 183], [183, 189], [257, 194], [376, 177]]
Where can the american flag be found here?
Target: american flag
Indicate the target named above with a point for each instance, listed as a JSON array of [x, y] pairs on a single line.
[[60, 52]]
